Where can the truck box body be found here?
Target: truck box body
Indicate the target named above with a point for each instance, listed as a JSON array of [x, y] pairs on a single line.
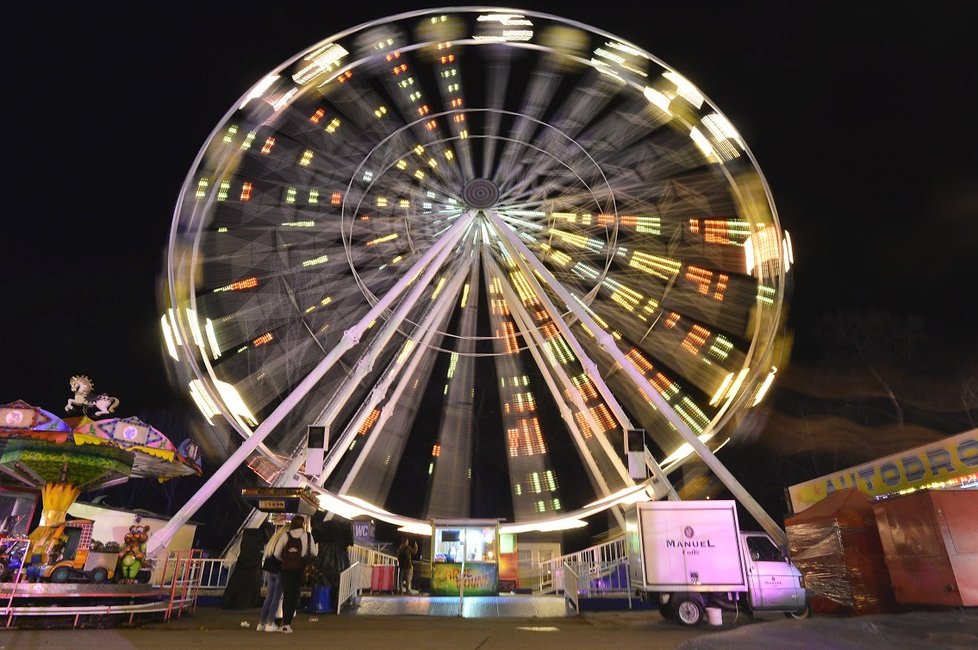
[[685, 546]]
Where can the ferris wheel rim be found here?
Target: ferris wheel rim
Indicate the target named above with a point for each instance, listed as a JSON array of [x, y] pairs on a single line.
[[207, 371]]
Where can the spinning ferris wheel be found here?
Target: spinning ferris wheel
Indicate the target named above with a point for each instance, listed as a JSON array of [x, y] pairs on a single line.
[[421, 233]]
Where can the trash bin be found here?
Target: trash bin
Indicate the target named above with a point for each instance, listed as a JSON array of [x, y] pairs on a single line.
[[321, 600], [382, 578], [714, 615]]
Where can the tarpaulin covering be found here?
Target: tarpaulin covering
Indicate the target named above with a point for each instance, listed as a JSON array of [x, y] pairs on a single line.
[[836, 546]]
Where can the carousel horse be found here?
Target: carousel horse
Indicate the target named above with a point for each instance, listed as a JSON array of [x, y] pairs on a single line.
[[82, 387]]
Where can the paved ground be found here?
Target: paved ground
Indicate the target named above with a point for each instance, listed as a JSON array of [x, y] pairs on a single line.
[[212, 627]]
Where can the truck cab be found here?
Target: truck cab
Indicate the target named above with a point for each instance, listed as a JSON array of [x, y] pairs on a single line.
[[774, 583]]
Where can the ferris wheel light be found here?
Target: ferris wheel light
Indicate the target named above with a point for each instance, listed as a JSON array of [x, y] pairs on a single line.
[[762, 391], [212, 338], [701, 142], [171, 347], [259, 89], [722, 390], [685, 89], [658, 100], [789, 252], [195, 328], [203, 401], [325, 59]]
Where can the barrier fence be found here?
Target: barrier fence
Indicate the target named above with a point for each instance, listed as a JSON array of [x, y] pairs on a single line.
[[349, 586], [600, 571], [569, 585]]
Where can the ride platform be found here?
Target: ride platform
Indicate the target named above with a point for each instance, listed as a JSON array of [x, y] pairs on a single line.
[[502, 606], [41, 590]]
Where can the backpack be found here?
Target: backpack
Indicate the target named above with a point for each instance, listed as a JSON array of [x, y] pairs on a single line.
[[293, 558]]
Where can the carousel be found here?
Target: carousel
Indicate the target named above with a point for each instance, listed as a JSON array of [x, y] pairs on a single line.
[[58, 459]]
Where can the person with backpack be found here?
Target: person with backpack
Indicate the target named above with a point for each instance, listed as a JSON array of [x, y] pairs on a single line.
[[271, 572], [294, 550]]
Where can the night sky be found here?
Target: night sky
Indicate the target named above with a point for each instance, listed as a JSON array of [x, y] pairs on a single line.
[[861, 115]]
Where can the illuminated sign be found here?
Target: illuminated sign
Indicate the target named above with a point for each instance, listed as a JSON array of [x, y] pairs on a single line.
[[938, 462], [270, 504], [479, 579]]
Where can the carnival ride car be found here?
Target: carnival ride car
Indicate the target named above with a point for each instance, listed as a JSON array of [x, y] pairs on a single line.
[[12, 552], [62, 553]]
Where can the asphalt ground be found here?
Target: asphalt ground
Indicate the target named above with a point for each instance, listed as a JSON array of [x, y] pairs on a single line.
[[212, 627]]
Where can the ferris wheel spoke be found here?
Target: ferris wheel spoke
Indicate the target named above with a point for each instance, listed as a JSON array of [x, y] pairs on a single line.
[[540, 90]]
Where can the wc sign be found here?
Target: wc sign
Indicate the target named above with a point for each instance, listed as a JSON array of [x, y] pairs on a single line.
[[363, 530]]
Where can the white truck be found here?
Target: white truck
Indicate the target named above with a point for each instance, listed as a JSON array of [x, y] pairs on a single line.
[[690, 555]]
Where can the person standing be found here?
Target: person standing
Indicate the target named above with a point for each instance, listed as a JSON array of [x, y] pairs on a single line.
[[271, 573], [293, 549], [405, 562]]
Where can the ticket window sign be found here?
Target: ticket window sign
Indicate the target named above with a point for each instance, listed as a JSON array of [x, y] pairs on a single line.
[[465, 559]]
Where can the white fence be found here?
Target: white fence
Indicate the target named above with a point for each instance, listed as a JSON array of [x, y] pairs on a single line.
[[569, 584], [349, 586], [600, 571]]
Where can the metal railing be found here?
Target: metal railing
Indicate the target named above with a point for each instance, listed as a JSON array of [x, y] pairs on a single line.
[[213, 573], [184, 580], [368, 558], [365, 555], [350, 586], [569, 587], [601, 571], [183, 573]]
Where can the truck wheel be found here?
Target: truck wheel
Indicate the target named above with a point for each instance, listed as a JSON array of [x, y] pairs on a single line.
[[60, 574], [100, 575], [804, 612], [689, 609]]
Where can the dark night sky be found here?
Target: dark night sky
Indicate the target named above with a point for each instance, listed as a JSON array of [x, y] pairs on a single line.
[[861, 115]]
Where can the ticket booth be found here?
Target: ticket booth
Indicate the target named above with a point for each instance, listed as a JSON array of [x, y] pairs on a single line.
[[465, 557]]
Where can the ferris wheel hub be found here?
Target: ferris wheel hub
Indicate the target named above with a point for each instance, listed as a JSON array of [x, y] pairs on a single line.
[[480, 193]]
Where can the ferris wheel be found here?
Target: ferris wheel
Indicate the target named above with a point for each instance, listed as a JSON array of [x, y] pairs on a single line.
[[422, 235]]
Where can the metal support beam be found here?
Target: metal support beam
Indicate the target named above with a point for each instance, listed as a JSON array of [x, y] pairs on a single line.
[[661, 482], [366, 361]]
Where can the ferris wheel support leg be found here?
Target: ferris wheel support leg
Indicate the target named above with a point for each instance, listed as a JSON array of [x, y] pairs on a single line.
[[350, 338], [607, 343]]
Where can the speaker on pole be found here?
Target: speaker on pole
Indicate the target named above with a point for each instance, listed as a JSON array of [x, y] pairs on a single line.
[[635, 450], [316, 449]]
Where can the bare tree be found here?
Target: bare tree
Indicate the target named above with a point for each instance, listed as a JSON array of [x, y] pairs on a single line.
[[887, 345]]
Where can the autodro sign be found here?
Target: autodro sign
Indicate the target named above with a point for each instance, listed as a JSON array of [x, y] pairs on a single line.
[[953, 458]]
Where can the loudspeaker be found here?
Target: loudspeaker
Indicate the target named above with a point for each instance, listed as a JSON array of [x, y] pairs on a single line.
[[635, 451], [316, 449]]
